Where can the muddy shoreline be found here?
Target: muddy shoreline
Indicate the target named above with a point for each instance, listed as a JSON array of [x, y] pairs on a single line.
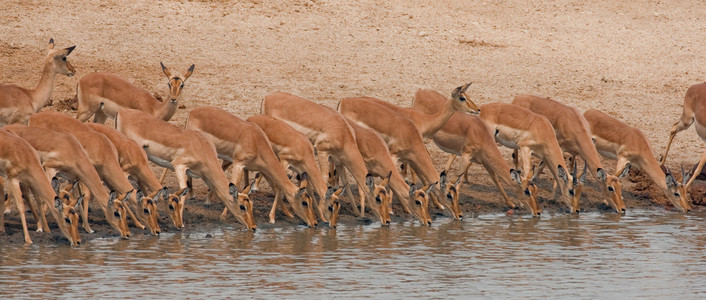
[[638, 193]]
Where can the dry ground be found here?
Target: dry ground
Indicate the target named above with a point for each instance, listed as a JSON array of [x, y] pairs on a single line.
[[633, 60]]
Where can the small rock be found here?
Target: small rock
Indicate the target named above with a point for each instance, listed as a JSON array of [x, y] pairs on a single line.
[[208, 236], [422, 34]]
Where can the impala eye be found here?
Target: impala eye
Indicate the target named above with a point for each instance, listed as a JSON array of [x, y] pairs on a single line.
[[242, 207], [67, 220], [527, 192], [417, 202], [305, 204], [171, 207], [571, 192], [676, 194], [117, 214], [377, 199], [449, 196], [610, 188], [181, 86], [147, 211], [330, 208], [462, 98]]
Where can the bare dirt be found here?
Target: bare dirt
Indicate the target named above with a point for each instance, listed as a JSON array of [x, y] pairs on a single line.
[[633, 60]]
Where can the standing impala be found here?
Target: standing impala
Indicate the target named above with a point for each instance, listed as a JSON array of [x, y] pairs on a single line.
[[403, 140], [574, 136], [469, 137], [519, 128], [295, 151], [62, 154], [694, 110], [188, 153], [327, 130], [246, 146], [103, 94], [615, 139], [133, 161], [101, 153], [19, 163], [379, 162], [17, 103]]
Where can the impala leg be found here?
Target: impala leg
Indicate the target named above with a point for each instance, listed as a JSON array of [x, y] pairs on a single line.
[[687, 118], [84, 206], [16, 194], [349, 194], [184, 180], [161, 177], [449, 162], [2, 210], [494, 177], [32, 208], [324, 164], [698, 170]]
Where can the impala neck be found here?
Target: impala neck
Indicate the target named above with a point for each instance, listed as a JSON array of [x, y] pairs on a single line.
[[400, 188], [166, 109], [42, 93], [653, 170], [431, 123], [147, 179]]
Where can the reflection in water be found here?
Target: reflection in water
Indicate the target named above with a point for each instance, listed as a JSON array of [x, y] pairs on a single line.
[[650, 254]]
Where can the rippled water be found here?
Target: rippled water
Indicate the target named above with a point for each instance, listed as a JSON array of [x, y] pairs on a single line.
[[646, 254]]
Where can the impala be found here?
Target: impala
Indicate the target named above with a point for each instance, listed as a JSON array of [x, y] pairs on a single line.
[[17, 103], [188, 153], [61, 154], [19, 163], [574, 136], [101, 152], [103, 94], [519, 128], [326, 130], [295, 151], [246, 146], [694, 110], [468, 136], [378, 161], [617, 140], [403, 141]]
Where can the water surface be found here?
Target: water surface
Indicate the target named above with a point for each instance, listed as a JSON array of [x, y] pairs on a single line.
[[645, 254]]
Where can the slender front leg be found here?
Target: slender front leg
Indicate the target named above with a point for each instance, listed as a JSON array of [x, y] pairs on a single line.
[[685, 121], [180, 172], [449, 162], [33, 209], [161, 177], [349, 194], [16, 194], [698, 170]]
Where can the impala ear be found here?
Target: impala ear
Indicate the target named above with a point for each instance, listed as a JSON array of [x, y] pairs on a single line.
[[562, 174], [166, 70], [602, 176], [329, 192], [184, 191], [340, 190], [68, 50], [465, 87], [139, 195], [55, 184], [58, 204], [458, 181], [188, 72], [370, 182], [386, 180], [51, 44], [583, 175], [128, 194], [79, 201], [625, 171], [111, 197], [516, 175], [430, 187], [232, 189], [412, 188], [684, 176], [442, 180], [248, 188]]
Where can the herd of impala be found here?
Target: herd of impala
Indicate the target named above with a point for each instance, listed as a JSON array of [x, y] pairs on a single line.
[[315, 144]]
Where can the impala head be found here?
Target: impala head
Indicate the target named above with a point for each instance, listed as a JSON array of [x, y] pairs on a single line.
[[334, 207], [529, 189], [69, 217], [147, 209], [65, 204], [614, 188], [58, 59], [419, 204], [243, 206], [175, 206], [566, 188], [382, 198], [461, 102], [176, 82], [116, 214], [679, 194], [303, 202], [450, 195]]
